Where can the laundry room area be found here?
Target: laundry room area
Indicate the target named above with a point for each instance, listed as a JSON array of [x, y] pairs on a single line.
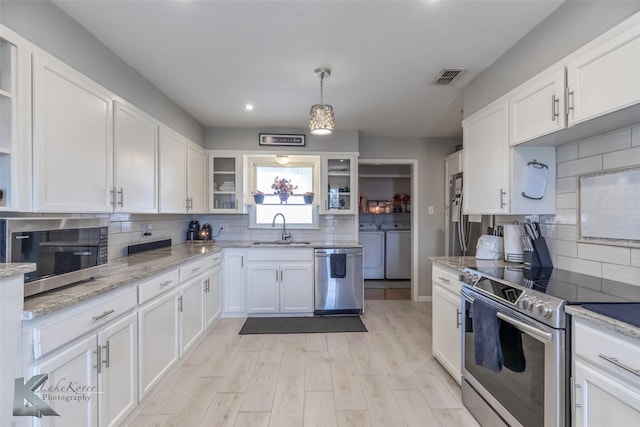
[[385, 229]]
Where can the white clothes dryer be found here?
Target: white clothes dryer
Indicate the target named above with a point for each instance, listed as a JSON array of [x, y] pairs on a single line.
[[372, 240]]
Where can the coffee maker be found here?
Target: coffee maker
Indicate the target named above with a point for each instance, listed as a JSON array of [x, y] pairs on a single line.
[[206, 232], [193, 232]]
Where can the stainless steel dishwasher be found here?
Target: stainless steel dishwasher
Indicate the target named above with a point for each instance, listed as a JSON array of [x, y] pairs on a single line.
[[339, 281]]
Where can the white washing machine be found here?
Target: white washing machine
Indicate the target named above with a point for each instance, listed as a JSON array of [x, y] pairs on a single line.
[[397, 250], [372, 240]]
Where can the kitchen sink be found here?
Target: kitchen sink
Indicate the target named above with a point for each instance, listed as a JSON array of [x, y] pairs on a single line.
[[281, 242]]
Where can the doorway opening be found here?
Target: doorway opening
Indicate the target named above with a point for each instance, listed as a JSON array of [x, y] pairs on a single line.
[[388, 227]]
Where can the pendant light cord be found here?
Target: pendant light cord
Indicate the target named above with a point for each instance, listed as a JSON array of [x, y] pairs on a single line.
[[322, 88]]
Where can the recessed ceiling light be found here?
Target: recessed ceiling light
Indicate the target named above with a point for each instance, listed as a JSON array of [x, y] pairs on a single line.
[[248, 107]]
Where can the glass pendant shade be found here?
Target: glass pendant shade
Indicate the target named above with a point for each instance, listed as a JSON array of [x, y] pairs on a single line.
[[321, 120]]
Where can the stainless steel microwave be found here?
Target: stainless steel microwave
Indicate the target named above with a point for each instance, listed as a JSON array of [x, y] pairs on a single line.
[[65, 250]]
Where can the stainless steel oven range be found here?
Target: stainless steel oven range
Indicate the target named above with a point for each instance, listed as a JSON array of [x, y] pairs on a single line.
[[65, 250], [517, 317]]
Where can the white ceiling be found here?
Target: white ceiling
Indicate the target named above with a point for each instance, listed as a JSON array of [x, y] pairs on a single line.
[[212, 57]]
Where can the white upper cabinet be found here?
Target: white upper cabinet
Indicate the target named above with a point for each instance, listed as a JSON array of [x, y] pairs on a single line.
[[183, 174], [496, 175], [72, 140], [338, 184], [226, 184], [173, 172], [537, 107], [135, 161], [486, 160], [606, 76], [196, 178]]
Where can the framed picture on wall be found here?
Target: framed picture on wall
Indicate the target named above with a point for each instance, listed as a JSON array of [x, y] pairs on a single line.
[[281, 139]]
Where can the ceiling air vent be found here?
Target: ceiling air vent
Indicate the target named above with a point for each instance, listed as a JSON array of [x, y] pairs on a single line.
[[448, 76]]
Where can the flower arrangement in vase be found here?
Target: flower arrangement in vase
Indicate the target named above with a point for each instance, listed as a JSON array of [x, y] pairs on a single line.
[[283, 188]]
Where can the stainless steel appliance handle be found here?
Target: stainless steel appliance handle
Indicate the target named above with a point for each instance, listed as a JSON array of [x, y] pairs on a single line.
[[22, 237], [534, 332], [619, 364], [467, 296], [82, 253], [530, 330], [326, 255]]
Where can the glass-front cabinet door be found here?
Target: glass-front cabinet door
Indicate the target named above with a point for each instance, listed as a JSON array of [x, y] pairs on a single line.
[[226, 179], [339, 191]]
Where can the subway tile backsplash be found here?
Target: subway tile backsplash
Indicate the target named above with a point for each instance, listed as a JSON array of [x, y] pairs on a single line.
[[618, 149]]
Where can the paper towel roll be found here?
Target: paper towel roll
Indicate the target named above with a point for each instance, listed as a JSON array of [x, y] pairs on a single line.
[[513, 250]]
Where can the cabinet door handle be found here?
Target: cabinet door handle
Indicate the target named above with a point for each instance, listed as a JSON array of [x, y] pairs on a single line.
[[121, 193], [242, 262], [276, 275], [574, 395], [555, 107], [444, 279], [180, 304], [106, 359], [502, 202], [102, 316], [281, 275], [98, 353], [113, 196], [569, 101], [458, 318], [619, 364]]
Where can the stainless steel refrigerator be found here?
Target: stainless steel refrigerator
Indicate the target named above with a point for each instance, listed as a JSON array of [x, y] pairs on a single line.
[[463, 234]]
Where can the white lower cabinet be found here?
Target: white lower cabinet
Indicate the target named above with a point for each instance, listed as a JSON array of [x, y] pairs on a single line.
[[279, 281], [605, 378], [447, 338], [96, 377], [75, 364], [118, 375], [233, 282], [191, 309], [211, 290], [157, 340]]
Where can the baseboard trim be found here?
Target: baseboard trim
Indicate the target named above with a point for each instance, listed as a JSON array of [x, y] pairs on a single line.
[[428, 298]]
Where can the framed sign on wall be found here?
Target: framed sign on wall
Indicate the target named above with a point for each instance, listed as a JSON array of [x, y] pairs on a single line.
[[281, 139]]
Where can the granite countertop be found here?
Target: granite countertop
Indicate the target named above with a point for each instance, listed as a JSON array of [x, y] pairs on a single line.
[[7, 270], [460, 262], [128, 270], [294, 244], [121, 272], [606, 321]]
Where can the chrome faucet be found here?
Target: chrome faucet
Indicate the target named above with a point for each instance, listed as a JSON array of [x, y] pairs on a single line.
[[285, 234]]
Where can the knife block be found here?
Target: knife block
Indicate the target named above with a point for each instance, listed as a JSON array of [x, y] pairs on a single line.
[[539, 257]]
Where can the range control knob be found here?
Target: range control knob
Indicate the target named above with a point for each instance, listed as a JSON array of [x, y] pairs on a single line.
[[526, 303], [543, 309]]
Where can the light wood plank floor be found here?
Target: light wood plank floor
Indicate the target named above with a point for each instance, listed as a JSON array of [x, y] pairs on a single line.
[[385, 377]]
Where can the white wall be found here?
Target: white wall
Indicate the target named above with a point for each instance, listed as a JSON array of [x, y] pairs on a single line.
[[48, 27], [247, 139], [571, 26], [430, 154]]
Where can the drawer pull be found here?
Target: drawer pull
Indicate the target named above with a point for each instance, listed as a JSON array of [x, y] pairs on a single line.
[[193, 270], [444, 279], [620, 364], [165, 283], [102, 316]]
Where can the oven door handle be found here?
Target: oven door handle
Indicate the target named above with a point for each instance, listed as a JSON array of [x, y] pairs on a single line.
[[531, 330]]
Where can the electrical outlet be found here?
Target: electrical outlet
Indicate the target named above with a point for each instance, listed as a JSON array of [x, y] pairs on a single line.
[[430, 210], [224, 226], [147, 230]]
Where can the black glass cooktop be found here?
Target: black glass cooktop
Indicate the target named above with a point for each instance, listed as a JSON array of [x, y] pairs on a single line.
[[572, 287]]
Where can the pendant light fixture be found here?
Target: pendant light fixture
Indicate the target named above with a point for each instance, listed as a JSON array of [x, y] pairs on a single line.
[[321, 121]]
